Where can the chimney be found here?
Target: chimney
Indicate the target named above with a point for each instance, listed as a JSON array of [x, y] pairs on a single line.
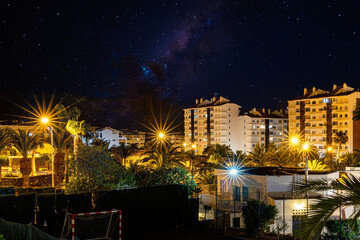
[[214, 99], [344, 86], [201, 100], [197, 101], [263, 110], [269, 111], [334, 86], [305, 91], [314, 89]]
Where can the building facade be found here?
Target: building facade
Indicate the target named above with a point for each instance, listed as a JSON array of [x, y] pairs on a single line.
[[211, 122], [263, 127], [109, 135], [318, 114], [132, 137]]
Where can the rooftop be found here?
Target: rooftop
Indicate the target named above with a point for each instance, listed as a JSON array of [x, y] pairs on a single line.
[[214, 101], [319, 93]]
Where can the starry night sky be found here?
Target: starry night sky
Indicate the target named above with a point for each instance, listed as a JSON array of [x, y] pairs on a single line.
[[257, 53]]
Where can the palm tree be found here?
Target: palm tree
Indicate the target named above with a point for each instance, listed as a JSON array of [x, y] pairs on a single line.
[[123, 151], [340, 137], [259, 156], [350, 159], [195, 164], [218, 151], [26, 143], [280, 157], [315, 165], [76, 128], [62, 141], [161, 155], [5, 141], [348, 194]]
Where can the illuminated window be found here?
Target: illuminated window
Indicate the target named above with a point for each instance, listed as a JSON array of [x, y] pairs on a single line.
[[326, 100]]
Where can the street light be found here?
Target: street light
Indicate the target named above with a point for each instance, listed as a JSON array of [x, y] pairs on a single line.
[[46, 121], [294, 140], [233, 171], [161, 135], [305, 148]]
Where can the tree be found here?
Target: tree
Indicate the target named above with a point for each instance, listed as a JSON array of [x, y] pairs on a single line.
[[4, 161], [340, 138], [348, 194], [26, 143], [315, 165], [97, 171], [174, 175], [62, 141], [5, 141], [161, 155], [350, 159], [218, 151], [259, 156], [123, 151], [257, 216], [76, 128], [280, 157]]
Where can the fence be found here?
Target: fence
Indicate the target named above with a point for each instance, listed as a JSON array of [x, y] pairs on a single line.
[[143, 208]]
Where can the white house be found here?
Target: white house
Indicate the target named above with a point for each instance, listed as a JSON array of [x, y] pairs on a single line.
[[110, 135]]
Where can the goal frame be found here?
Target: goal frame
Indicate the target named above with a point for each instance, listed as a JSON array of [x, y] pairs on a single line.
[[73, 215]]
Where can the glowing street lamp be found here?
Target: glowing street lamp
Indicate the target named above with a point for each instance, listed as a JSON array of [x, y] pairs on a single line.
[[184, 144], [46, 121], [193, 146], [329, 149], [294, 140], [161, 135]]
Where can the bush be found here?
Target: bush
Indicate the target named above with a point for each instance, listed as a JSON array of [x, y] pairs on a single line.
[[96, 171], [257, 216], [333, 227], [174, 175]]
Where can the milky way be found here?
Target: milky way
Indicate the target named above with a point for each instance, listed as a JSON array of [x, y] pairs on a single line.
[[257, 53]]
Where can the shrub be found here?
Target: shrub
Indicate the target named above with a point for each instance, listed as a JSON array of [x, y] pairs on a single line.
[[257, 216], [333, 227]]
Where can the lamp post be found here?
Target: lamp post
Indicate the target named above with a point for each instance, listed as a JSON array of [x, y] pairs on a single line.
[[233, 172], [46, 121], [305, 148]]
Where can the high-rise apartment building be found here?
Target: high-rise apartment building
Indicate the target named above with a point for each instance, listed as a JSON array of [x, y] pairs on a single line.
[[318, 114], [212, 121], [263, 127]]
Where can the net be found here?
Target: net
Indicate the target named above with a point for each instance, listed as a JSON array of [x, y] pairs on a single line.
[[94, 225]]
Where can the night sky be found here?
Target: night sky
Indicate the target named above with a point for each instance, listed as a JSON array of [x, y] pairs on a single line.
[[257, 53]]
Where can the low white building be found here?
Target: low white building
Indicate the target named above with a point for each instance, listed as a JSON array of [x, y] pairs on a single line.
[[110, 135], [273, 186]]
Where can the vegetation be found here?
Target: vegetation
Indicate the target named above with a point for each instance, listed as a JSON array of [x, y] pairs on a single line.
[[347, 233], [26, 143], [257, 216], [123, 151], [348, 194]]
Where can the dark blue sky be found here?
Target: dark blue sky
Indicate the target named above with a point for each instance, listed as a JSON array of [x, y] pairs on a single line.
[[257, 53]]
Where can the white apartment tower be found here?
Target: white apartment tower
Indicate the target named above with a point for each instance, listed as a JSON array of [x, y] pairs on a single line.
[[263, 127], [318, 114], [213, 121]]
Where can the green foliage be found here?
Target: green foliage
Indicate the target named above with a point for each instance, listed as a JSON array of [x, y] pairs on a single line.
[[97, 171], [174, 175], [162, 176], [348, 194], [257, 216], [25, 142], [2, 237], [218, 151], [162, 155], [5, 138], [347, 233], [4, 161]]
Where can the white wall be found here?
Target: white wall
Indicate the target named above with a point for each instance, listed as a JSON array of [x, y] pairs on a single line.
[[109, 135]]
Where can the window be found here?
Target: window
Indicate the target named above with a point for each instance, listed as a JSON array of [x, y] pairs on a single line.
[[313, 102], [346, 115], [326, 100], [297, 103], [307, 109], [298, 110], [297, 117]]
